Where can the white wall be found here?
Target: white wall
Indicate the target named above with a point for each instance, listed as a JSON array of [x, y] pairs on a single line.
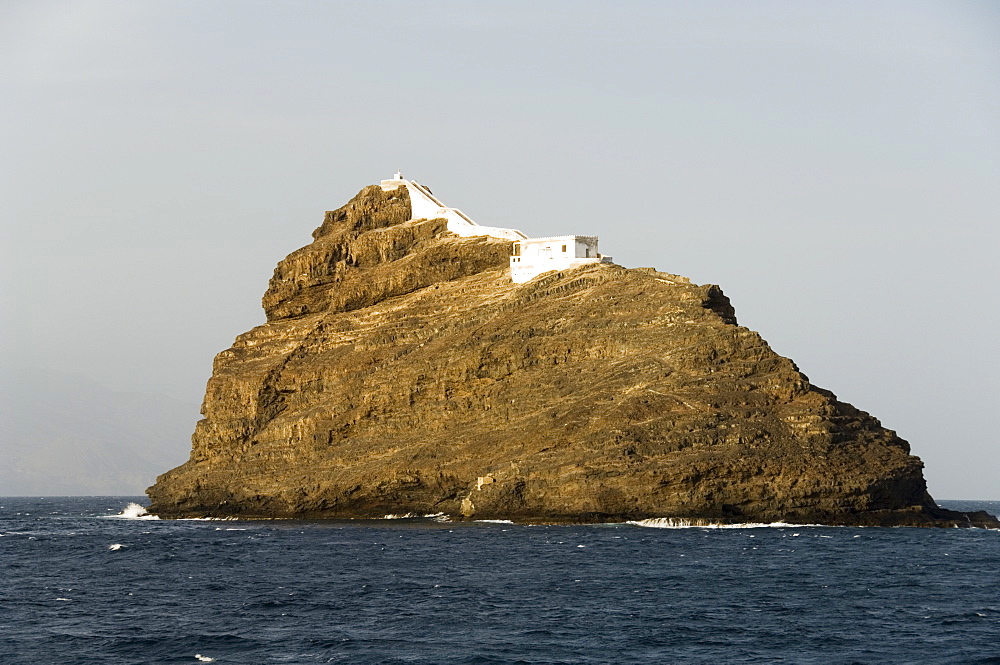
[[424, 205], [541, 255]]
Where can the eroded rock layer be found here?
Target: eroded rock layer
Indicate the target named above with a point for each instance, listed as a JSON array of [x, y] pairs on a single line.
[[401, 372]]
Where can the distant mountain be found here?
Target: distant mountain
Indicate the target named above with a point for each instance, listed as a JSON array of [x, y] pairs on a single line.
[[63, 434]]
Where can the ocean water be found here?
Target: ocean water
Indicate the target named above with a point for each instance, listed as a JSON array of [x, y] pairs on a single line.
[[85, 580]]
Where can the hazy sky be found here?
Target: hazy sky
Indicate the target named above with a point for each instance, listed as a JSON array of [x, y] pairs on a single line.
[[832, 165]]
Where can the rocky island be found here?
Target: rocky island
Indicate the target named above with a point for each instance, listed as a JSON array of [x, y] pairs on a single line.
[[401, 370]]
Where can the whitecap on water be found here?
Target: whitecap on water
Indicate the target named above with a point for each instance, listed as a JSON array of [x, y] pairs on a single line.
[[207, 519], [204, 659], [134, 511], [437, 517], [688, 523], [115, 547]]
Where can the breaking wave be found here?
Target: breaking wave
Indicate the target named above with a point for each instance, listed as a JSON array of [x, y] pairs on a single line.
[[437, 517], [135, 511], [700, 523]]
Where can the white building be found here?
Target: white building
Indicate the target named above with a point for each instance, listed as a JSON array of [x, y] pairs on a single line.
[[533, 256], [530, 257]]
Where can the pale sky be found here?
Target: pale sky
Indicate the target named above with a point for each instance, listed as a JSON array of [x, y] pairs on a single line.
[[832, 165]]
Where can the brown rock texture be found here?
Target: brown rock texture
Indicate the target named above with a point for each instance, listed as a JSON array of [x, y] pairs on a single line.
[[400, 371]]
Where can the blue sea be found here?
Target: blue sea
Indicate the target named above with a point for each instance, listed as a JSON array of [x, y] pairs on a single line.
[[89, 580]]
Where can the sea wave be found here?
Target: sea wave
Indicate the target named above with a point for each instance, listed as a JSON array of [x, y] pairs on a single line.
[[437, 517], [700, 523], [134, 511]]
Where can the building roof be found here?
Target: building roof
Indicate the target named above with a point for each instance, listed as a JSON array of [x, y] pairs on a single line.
[[559, 238]]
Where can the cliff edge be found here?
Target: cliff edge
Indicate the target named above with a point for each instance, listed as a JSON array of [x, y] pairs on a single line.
[[400, 371]]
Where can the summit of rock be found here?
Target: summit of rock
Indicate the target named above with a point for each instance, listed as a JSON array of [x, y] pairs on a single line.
[[401, 371]]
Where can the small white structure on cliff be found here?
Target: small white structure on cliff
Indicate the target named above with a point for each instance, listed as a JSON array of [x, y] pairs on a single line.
[[529, 258], [533, 256], [424, 205]]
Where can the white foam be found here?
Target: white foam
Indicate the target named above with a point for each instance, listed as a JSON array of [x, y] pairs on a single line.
[[697, 523], [115, 547], [437, 517], [134, 511], [204, 659], [495, 521]]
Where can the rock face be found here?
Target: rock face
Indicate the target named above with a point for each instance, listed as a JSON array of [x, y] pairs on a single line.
[[400, 371]]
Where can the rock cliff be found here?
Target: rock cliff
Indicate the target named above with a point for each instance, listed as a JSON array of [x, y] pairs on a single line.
[[401, 372]]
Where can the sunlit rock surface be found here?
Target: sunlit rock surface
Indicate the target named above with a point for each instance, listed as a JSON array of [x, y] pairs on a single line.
[[400, 371]]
